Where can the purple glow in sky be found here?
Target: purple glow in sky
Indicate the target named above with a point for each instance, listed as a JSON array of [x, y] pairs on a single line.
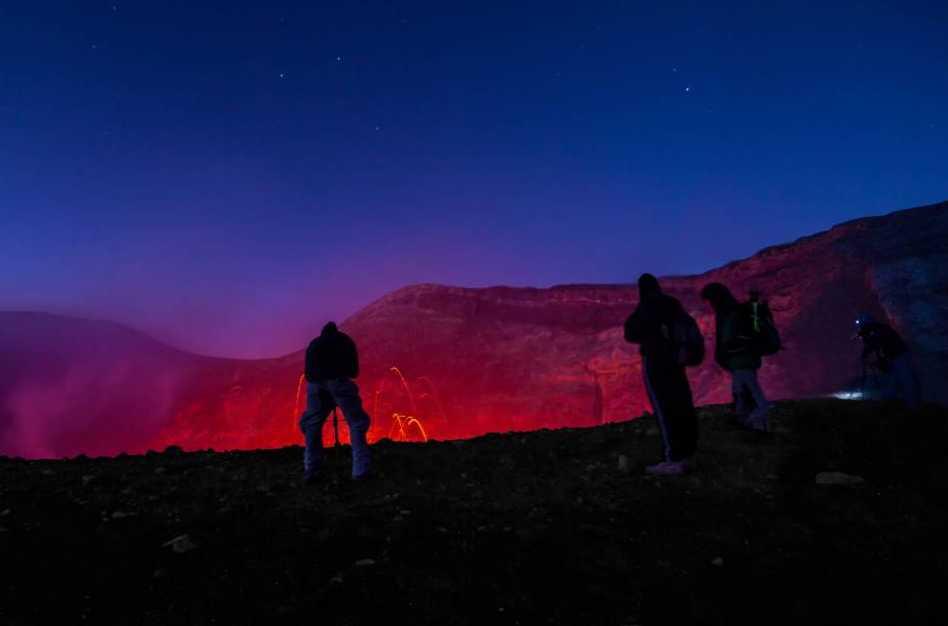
[[227, 176]]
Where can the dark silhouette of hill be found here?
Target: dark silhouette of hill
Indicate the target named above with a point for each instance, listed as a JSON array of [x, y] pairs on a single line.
[[70, 384], [549, 527]]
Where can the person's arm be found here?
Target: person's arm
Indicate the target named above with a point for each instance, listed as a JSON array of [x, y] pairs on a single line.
[[730, 339], [639, 324], [309, 363], [633, 328], [735, 339], [353, 358]]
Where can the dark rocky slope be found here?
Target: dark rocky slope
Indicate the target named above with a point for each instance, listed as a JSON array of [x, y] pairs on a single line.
[[550, 527]]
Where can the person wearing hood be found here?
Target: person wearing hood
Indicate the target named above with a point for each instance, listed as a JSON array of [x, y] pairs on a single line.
[[735, 353], [332, 362], [666, 382], [885, 350]]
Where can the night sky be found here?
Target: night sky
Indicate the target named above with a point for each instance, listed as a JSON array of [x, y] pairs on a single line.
[[228, 176]]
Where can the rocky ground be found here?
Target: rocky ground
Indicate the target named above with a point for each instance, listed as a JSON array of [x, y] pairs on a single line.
[[549, 527]]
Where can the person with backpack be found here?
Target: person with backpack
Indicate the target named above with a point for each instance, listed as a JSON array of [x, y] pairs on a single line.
[[885, 351], [738, 347], [332, 361], [669, 340]]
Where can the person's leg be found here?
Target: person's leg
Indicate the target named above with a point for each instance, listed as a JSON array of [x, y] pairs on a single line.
[[346, 394], [650, 379], [672, 402], [319, 404], [743, 404], [682, 416], [741, 410], [888, 383], [906, 381], [757, 419]]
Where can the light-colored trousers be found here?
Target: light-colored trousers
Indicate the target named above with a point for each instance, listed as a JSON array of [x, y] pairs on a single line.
[[321, 398], [744, 383]]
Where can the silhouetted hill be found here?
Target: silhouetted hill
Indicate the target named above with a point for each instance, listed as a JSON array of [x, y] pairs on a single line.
[[69, 384], [549, 527]]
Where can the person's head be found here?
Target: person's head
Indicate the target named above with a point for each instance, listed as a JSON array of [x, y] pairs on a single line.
[[329, 329], [718, 296], [648, 286]]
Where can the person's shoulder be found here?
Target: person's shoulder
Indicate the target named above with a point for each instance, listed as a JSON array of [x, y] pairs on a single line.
[[671, 303], [740, 309]]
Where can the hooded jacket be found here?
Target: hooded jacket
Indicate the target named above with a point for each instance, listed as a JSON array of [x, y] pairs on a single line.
[[651, 323], [732, 343], [331, 355]]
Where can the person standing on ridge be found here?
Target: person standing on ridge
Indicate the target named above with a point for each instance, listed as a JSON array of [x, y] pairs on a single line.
[[332, 361], [669, 340], [735, 352], [886, 351]]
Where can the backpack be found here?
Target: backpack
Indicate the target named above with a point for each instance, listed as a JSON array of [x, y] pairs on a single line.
[[759, 326], [687, 340]]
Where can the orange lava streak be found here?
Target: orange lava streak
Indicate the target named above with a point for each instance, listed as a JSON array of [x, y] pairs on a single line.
[[411, 398], [397, 421], [299, 389], [403, 422], [412, 420]]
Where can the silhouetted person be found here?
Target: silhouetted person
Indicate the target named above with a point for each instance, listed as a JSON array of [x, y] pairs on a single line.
[[734, 350], [886, 351], [652, 327], [331, 363]]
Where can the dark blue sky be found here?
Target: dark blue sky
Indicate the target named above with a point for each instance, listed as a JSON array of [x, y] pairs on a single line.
[[227, 176]]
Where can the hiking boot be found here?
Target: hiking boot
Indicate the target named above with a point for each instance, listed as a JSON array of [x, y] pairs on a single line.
[[363, 477], [759, 426], [669, 468], [752, 423], [744, 419]]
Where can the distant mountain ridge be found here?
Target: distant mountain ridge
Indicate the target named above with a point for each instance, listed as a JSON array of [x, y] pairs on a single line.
[[469, 361]]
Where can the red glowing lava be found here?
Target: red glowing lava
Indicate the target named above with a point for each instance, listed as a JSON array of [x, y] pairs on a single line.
[[394, 411], [297, 407], [401, 425], [405, 409]]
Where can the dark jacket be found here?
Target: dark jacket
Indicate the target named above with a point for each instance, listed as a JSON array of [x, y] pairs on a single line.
[[881, 343], [650, 326], [331, 355], [733, 348], [733, 343]]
